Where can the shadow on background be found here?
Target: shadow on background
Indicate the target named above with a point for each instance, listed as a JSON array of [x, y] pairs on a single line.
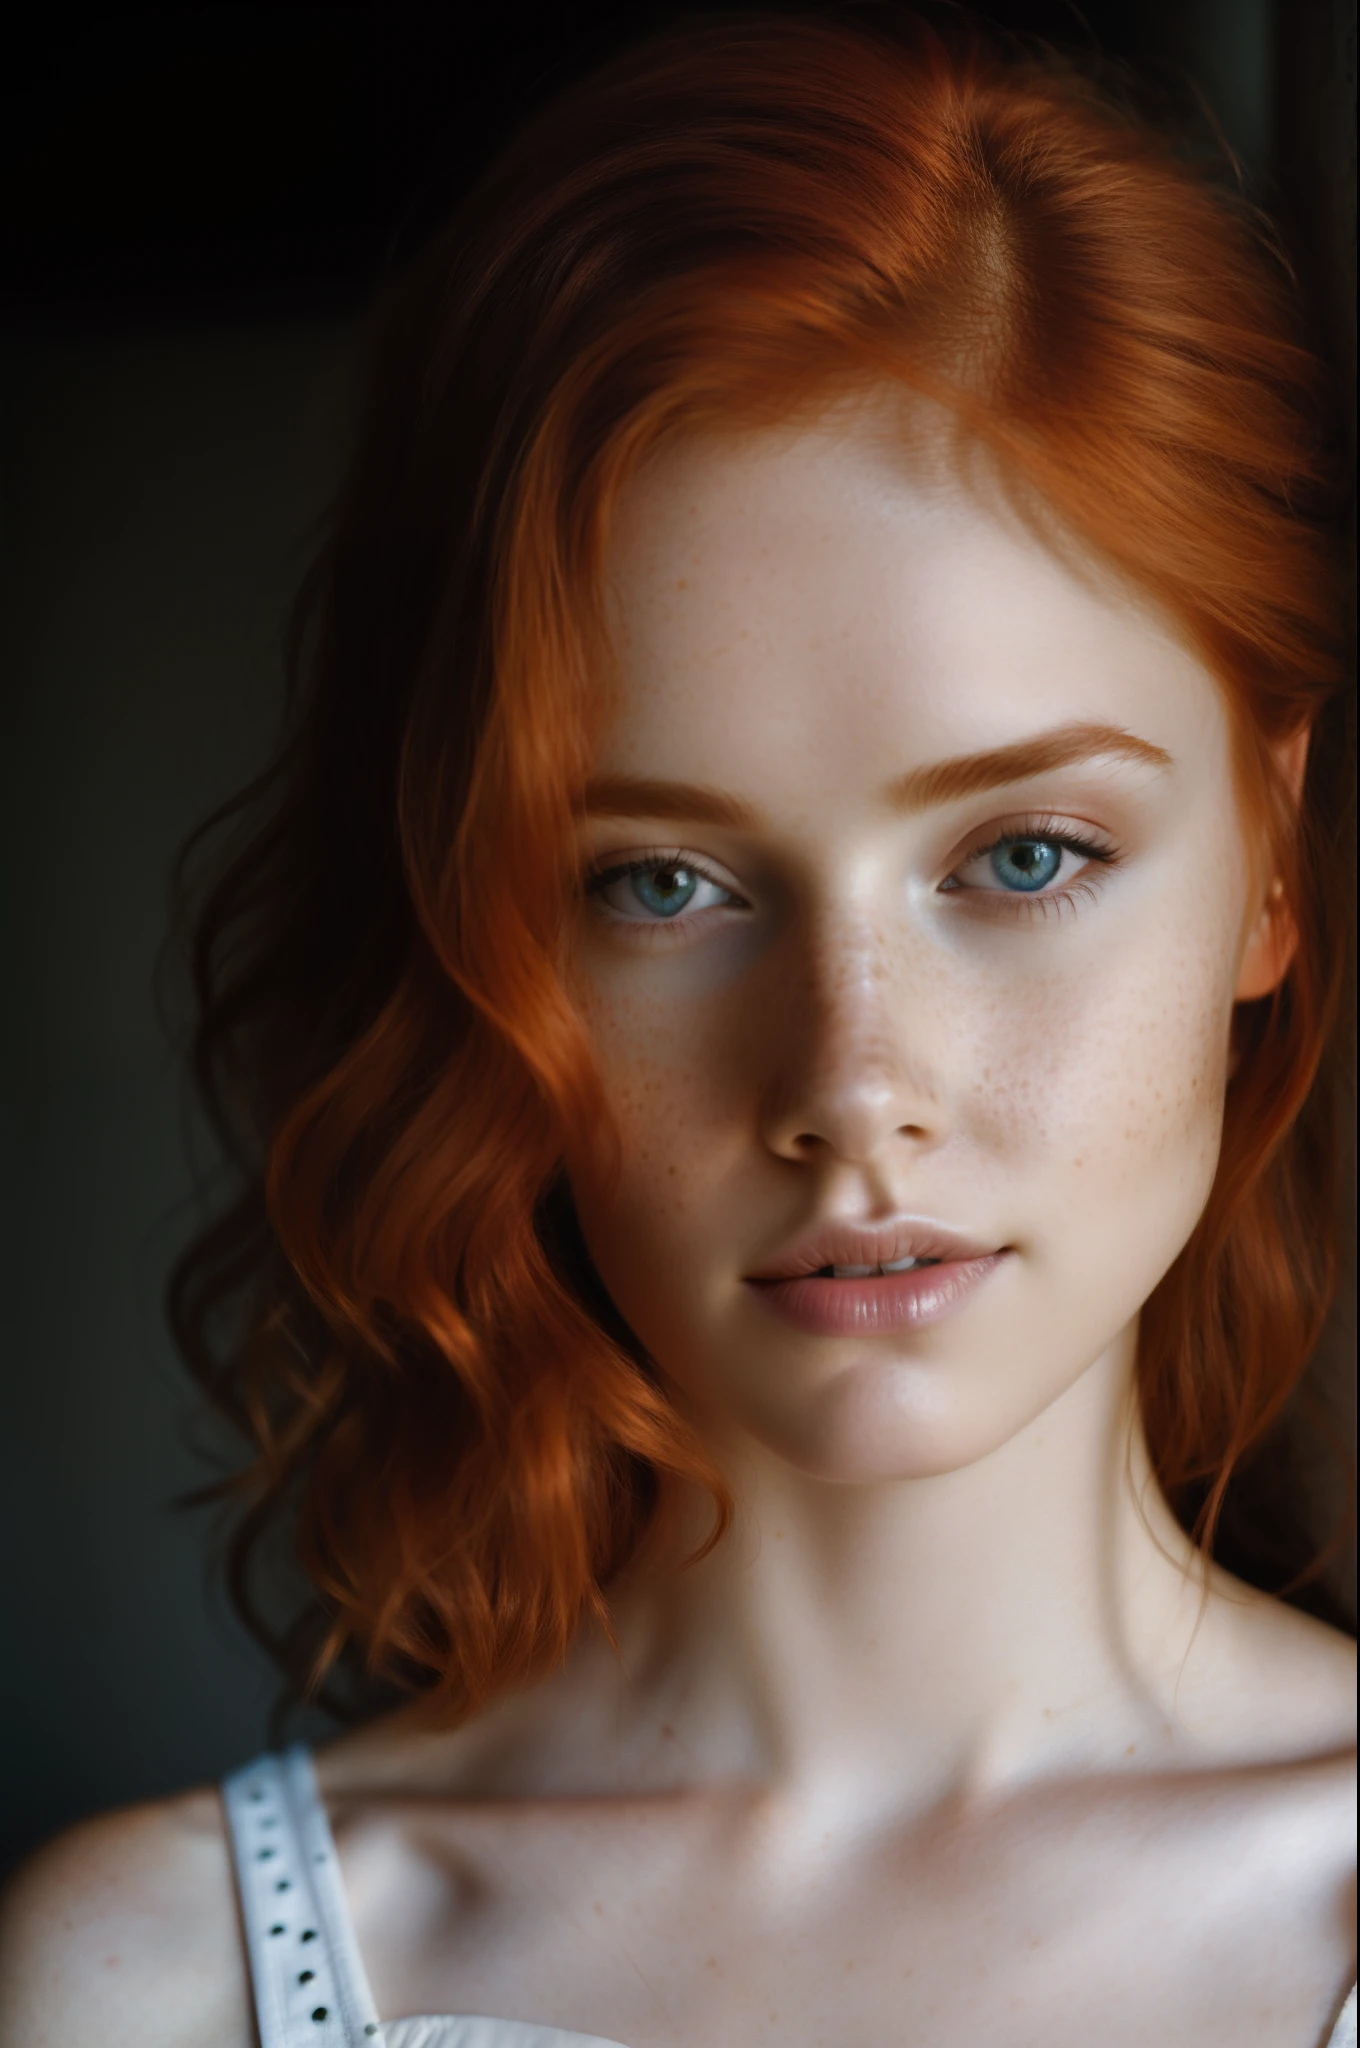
[[196, 207]]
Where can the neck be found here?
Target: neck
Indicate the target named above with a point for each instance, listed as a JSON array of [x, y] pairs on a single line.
[[931, 1636]]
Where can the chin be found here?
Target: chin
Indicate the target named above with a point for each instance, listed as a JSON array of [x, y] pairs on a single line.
[[875, 1423]]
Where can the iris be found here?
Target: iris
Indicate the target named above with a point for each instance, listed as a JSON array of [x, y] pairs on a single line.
[[1026, 863], [664, 890]]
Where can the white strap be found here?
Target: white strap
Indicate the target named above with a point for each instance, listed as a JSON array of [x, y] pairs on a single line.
[[310, 1987]]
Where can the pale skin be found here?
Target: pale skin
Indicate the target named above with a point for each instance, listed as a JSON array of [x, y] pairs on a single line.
[[946, 1742]]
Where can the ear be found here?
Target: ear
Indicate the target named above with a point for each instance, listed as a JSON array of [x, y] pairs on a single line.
[[1273, 939]]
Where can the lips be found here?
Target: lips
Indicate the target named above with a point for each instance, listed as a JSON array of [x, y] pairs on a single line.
[[867, 1246], [940, 1269]]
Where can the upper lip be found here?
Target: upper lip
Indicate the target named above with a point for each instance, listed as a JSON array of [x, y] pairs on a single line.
[[869, 1244]]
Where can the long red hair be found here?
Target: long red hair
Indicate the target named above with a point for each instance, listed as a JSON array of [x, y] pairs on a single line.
[[724, 224]]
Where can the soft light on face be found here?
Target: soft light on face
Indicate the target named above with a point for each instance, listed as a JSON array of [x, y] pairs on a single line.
[[841, 990]]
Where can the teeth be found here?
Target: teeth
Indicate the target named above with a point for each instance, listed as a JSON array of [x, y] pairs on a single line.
[[888, 1266]]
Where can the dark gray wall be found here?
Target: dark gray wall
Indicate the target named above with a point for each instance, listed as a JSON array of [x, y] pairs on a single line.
[[157, 490]]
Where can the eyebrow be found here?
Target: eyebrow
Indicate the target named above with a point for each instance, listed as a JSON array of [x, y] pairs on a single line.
[[637, 796], [1064, 746], [922, 789]]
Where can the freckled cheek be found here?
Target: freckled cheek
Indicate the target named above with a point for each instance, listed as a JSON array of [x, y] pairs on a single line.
[[673, 1090], [1120, 1066]]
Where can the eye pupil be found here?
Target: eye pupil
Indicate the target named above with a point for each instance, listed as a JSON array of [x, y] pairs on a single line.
[[1026, 863]]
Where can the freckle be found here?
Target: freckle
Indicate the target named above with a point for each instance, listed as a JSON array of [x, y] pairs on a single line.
[[599, 1908], [1132, 1749], [668, 1731]]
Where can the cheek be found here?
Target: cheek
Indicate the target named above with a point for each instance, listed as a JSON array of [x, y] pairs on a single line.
[[1103, 1094], [674, 1092]]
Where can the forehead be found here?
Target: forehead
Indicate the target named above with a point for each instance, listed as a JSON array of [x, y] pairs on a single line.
[[781, 599]]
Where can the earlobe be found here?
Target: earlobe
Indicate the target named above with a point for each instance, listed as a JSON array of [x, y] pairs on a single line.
[[1270, 949]]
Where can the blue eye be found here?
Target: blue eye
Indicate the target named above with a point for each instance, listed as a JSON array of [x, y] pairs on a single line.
[[657, 889], [1027, 860], [665, 890], [1026, 864]]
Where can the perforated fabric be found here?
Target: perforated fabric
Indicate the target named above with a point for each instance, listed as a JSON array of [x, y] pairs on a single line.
[[309, 1980]]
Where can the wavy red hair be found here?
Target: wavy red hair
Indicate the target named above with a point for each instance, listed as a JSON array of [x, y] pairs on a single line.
[[722, 226]]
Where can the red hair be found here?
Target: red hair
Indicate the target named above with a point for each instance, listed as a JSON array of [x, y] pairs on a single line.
[[723, 225]]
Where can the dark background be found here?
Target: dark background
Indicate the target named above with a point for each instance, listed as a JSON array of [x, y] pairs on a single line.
[[196, 205]]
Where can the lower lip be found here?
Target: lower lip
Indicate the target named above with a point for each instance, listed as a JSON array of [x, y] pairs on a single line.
[[883, 1301]]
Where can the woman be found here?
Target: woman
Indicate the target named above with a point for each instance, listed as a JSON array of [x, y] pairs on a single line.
[[778, 997]]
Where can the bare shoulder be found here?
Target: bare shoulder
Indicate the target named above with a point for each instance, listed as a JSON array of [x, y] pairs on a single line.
[[1286, 1682], [1277, 1704], [123, 1930]]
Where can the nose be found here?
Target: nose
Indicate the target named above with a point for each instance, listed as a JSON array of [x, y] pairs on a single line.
[[852, 1077]]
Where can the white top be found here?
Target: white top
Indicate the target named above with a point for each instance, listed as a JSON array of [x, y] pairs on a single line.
[[311, 1989]]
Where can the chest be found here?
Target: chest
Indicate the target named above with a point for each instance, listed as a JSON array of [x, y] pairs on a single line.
[[660, 1930]]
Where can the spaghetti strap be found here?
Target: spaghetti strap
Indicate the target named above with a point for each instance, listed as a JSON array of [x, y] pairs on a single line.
[[311, 1990]]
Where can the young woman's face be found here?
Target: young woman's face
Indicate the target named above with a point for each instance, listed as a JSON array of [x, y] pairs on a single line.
[[917, 903]]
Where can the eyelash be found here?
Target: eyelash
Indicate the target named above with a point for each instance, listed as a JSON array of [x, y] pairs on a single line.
[[1052, 832], [1016, 903], [647, 862]]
